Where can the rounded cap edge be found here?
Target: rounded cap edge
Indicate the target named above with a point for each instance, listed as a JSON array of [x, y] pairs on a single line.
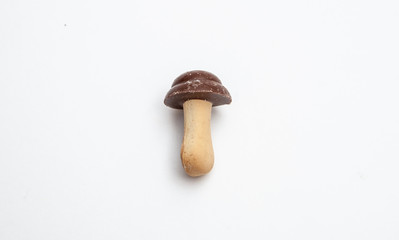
[[197, 85]]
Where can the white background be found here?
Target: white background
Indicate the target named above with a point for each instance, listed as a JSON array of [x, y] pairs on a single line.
[[308, 149]]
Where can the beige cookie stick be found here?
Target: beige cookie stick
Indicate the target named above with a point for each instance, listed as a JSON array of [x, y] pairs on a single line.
[[197, 92]]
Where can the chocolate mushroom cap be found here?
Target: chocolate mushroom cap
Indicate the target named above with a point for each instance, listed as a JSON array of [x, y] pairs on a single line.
[[197, 85]]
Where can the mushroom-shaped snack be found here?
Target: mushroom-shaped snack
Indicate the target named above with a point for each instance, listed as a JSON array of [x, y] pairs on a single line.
[[196, 92]]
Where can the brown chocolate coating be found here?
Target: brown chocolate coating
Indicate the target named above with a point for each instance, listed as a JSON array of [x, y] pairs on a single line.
[[197, 85]]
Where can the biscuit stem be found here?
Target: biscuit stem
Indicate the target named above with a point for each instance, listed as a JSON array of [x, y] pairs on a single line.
[[197, 151]]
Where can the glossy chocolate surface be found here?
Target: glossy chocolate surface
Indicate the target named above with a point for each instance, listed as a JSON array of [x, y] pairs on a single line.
[[197, 85]]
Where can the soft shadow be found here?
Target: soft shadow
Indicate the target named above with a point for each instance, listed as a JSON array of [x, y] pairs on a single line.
[[215, 115], [216, 121]]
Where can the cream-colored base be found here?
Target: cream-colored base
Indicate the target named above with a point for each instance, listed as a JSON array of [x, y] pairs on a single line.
[[197, 151]]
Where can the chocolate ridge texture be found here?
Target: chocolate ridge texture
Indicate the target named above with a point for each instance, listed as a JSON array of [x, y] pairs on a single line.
[[197, 85]]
